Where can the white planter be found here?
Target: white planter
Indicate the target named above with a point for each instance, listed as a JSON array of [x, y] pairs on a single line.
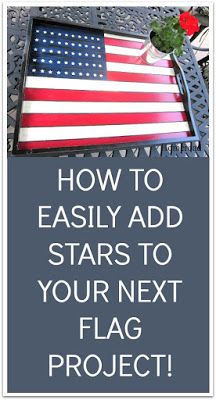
[[151, 54]]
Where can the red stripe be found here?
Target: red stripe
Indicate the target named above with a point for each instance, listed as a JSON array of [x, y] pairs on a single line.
[[87, 95], [136, 60], [99, 141], [145, 78], [33, 120], [124, 43]]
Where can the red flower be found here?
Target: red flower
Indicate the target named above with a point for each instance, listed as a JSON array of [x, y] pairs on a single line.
[[189, 23]]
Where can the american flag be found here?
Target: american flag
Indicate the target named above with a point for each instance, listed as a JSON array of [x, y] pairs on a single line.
[[85, 87]]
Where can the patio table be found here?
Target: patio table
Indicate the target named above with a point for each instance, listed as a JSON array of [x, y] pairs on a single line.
[[135, 20]]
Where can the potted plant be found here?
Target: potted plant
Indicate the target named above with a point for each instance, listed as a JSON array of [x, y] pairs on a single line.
[[167, 36]]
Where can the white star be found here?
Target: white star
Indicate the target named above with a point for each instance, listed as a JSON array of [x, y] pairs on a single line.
[[72, 44], [35, 49], [79, 54], [43, 50], [42, 60], [86, 54], [51, 51], [59, 52], [93, 55], [79, 45], [95, 74], [66, 52], [72, 35], [59, 42], [73, 73], [79, 36], [73, 63], [52, 33], [86, 45], [86, 64], [33, 70], [66, 34], [98, 39], [58, 62], [87, 74], [66, 43], [42, 71], [66, 62], [36, 40], [51, 41], [59, 34], [58, 72], [85, 37], [99, 56], [34, 59], [72, 53], [100, 66], [93, 47], [37, 31], [44, 32], [80, 63], [101, 75], [44, 40], [80, 73], [99, 48], [50, 61], [50, 71], [66, 73]]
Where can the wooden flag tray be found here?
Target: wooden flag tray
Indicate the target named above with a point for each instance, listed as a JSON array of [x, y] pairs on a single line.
[[84, 88]]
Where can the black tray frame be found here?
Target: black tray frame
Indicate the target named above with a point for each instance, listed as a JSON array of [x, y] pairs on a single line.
[[181, 80]]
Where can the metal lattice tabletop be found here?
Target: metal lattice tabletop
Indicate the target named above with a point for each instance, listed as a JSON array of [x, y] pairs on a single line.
[[123, 19]]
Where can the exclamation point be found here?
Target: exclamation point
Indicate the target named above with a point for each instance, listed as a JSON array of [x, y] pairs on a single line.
[[169, 365]]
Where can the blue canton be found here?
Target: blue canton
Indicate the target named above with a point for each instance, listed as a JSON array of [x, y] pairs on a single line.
[[64, 52]]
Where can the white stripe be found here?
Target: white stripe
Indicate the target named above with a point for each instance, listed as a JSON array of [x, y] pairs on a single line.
[[141, 69], [81, 132], [126, 51], [69, 107], [131, 39], [83, 84]]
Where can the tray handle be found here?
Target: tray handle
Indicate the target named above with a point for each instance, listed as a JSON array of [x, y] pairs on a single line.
[[183, 86]]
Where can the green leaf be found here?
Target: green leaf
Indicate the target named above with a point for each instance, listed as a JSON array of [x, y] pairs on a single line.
[[168, 34], [156, 27]]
